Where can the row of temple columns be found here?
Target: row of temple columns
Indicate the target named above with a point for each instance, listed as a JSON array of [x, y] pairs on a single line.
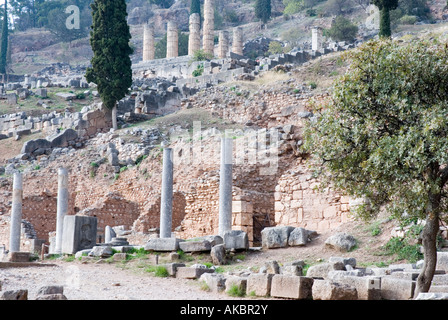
[[166, 210], [194, 41]]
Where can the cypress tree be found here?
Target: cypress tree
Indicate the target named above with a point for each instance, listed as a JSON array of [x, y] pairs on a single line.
[[4, 41], [195, 7], [111, 63], [385, 6], [263, 10]]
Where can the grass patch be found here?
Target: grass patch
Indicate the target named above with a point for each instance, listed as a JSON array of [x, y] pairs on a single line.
[[159, 271], [236, 291]]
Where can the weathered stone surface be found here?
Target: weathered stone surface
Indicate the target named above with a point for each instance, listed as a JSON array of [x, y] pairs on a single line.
[[275, 237], [218, 254], [321, 270], [15, 295], [236, 239], [191, 272], [292, 287], [328, 290], [195, 246], [397, 289], [432, 296], [298, 237], [272, 267], [259, 284], [239, 282], [32, 145], [62, 139], [20, 256], [55, 296], [368, 288], [345, 261], [172, 268], [101, 251], [215, 282], [442, 261], [50, 290], [341, 241], [163, 244]]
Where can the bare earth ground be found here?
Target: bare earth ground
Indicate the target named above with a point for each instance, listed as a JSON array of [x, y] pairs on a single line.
[[118, 281]]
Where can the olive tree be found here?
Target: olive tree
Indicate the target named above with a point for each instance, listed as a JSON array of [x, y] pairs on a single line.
[[383, 135]]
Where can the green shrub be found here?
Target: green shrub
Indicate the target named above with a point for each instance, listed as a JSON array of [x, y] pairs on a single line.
[[403, 249], [235, 291]]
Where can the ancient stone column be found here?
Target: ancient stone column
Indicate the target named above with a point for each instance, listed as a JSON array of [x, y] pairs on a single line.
[[172, 40], [109, 233], [316, 41], [62, 207], [225, 186], [148, 43], [16, 213], [209, 27], [166, 202], [237, 45], [223, 47], [194, 40]]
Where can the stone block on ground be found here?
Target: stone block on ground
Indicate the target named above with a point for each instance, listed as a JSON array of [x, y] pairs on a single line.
[[19, 256], [239, 282], [101, 252], [275, 237], [291, 287], [321, 270], [298, 237], [259, 284], [215, 282], [397, 289], [236, 239], [341, 241], [195, 246], [218, 254], [442, 261], [192, 272], [368, 288], [14, 295], [79, 233], [172, 268], [163, 244], [329, 290], [432, 296]]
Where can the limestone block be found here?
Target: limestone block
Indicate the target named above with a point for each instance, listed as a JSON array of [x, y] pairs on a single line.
[[292, 287], [79, 233], [442, 261], [14, 295], [321, 270], [215, 282], [236, 239], [163, 244], [195, 246], [341, 241], [259, 284], [397, 289], [191, 272], [275, 237], [328, 290], [240, 282], [172, 268], [298, 237], [20, 256]]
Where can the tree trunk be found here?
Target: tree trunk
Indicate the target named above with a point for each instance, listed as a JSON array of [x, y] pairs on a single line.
[[114, 117], [429, 241]]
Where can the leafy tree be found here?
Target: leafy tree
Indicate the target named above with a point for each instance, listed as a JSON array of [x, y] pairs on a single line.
[[385, 7], [383, 136], [338, 7], [4, 40], [342, 30], [292, 6], [111, 63], [263, 10]]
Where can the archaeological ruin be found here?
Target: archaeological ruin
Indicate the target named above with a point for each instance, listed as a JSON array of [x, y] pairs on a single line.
[[200, 190]]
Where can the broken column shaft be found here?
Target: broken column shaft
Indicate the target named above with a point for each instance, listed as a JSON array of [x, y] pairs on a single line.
[[148, 43], [209, 27], [223, 44], [237, 44], [194, 39]]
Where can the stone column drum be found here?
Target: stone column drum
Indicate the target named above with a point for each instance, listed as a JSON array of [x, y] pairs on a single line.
[[225, 186], [148, 43], [194, 39], [237, 44], [62, 207], [16, 213], [172, 43], [223, 44], [209, 27], [166, 201], [316, 40]]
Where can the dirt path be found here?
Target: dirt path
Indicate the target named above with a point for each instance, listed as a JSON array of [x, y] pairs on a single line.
[[102, 282]]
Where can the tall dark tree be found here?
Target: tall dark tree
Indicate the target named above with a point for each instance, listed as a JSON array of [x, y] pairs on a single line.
[[263, 10], [4, 41], [111, 63], [195, 7], [385, 6]]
